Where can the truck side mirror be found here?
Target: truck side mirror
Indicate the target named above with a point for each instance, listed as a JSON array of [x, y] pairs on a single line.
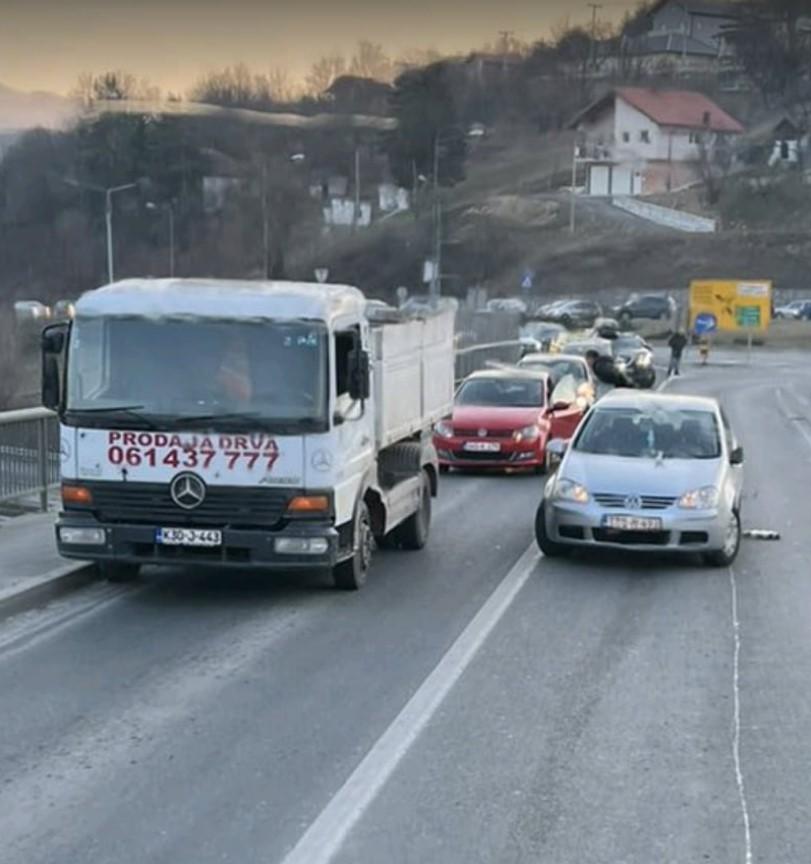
[[359, 374], [53, 344]]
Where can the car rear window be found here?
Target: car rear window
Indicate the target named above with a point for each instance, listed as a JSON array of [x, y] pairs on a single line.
[[669, 433]]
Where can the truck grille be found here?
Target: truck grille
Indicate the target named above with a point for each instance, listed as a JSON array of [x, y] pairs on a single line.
[[151, 503]]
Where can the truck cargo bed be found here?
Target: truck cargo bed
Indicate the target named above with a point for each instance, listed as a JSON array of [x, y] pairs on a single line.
[[413, 373]]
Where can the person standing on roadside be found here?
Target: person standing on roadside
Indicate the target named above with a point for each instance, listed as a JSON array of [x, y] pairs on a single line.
[[677, 343]]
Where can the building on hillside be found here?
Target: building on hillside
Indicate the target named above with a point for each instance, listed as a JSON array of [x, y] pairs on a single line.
[[778, 142], [685, 37], [637, 141]]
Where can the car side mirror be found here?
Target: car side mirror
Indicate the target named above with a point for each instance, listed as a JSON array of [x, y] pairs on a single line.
[[555, 451], [359, 374], [736, 456]]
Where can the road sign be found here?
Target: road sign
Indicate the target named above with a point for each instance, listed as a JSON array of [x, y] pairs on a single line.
[[528, 281], [321, 274], [735, 305], [748, 316], [705, 324]]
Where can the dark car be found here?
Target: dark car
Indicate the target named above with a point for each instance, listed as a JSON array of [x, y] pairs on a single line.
[[576, 313], [650, 306], [633, 358]]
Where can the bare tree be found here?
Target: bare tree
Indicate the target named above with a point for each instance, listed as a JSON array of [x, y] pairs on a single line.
[[371, 61], [323, 72], [715, 162]]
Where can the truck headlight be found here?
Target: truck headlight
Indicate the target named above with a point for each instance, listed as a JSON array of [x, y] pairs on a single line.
[[568, 490], [705, 498], [300, 545], [82, 536], [528, 433]]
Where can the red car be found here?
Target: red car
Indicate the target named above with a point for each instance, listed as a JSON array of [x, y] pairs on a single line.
[[503, 418]]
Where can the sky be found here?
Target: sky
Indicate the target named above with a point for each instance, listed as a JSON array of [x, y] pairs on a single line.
[[46, 44]]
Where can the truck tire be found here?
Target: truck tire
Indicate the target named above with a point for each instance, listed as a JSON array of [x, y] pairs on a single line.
[[413, 533], [350, 575], [118, 572], [399, 461]]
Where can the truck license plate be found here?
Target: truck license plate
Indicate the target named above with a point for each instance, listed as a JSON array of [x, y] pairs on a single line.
[[633, 523], [188, 537], [482, 446]]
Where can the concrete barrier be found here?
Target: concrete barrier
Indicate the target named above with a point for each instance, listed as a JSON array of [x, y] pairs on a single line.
[[665, 216]]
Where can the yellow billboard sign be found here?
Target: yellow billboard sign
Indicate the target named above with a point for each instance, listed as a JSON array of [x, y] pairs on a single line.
[[730, 305]]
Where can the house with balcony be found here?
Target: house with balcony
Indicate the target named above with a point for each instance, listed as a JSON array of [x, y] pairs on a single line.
[[638, 141], [684, 37]]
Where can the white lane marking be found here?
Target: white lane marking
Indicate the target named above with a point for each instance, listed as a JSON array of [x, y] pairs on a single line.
[[736, 730], [324, 838], [664, 384], [788, 415]]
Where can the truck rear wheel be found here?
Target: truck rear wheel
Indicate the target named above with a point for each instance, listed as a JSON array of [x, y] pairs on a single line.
[[118, 571], [413, 533], [350, 575]]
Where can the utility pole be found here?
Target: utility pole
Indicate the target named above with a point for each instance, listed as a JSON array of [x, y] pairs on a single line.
[[574, 185], [265, 222], [595, 7], [356, 213], [436, 285]]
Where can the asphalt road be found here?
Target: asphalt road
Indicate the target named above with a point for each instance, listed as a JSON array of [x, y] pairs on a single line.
[[475, 703]]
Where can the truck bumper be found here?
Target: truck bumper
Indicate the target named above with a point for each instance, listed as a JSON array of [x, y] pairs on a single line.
[[240, 548]]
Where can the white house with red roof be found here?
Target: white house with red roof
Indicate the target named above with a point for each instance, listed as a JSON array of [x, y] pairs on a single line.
[[636, 140]]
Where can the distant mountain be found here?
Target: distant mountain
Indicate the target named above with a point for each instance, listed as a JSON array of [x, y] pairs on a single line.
[[20, 110]]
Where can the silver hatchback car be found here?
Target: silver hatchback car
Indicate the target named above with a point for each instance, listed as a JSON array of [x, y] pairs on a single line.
[[649, 472]]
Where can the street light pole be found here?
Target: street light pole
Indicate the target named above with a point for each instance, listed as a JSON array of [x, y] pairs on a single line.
[[108, 214], [436, 285], [109, 220]]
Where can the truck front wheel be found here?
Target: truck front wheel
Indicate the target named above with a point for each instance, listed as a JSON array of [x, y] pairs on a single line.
[[350, 575], [413, 533]]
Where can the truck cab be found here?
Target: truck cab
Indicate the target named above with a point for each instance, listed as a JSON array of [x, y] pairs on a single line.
[[250, 424]]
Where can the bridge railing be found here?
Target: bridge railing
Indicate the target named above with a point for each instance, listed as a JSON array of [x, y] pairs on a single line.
[[29, 454]]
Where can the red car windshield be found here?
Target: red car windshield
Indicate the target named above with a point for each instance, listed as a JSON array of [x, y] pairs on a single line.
[[502, 393]]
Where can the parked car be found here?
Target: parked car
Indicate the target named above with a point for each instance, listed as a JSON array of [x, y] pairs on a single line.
[[507, 304], [31, 310], [576, 313], [503, 418], [648, 472], [633, 358], [796, 310], [557, 366], [650, 306]]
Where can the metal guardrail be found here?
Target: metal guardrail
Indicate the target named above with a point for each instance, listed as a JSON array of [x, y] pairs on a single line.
[[476, 357], [29, 438], [29, 454]]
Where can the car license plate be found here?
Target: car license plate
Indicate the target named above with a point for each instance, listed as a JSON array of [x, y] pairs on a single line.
[[632, 523], [483, 446], [188, 537]]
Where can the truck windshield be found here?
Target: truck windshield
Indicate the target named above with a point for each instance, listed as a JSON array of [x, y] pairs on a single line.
[[213, 371]]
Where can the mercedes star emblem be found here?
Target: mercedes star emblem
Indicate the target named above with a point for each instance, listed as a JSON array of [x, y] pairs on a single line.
[[188, 491]]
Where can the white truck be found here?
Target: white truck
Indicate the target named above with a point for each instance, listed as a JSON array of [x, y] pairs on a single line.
[[255, 424]]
